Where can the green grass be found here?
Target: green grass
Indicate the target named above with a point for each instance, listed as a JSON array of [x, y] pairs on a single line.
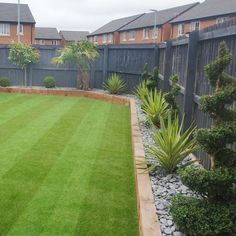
[[66, 167]]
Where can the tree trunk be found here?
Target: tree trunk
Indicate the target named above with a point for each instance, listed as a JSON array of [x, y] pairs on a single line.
[[83, 80], [25, 76]]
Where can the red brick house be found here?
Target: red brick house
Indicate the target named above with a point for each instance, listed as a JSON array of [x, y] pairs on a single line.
[[72, 36], [206, 14], [109, 33], [47, 36], [8, 23], [142, 30]]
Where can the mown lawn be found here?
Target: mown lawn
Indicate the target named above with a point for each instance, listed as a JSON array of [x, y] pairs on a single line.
[[66, 167]]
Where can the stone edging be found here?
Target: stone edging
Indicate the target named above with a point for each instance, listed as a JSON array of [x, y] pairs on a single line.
[[148, 222]]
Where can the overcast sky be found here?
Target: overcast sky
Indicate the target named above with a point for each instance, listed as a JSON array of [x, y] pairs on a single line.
[[90, 14]]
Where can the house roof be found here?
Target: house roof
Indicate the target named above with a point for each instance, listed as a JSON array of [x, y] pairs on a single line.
[[46, 33], [115, 25], [163, 16], [74, 35], [209, 8], [9, 13]]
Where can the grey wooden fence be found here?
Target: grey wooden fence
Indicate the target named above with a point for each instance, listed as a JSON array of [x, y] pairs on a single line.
[[185, 57], [65, 76]]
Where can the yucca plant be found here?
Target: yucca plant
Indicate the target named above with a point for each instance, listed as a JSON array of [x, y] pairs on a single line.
[[172, 144], [142, 90], [115, 85], [155, 107]]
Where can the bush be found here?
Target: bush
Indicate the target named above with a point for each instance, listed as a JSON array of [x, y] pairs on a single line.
[[155, 107], [152, 79], [115, 85], [215, 212], [49, 82], [172, 145], [196, 217], [4, 82]]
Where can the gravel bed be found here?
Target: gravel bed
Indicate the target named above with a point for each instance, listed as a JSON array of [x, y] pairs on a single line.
[[164, 187]]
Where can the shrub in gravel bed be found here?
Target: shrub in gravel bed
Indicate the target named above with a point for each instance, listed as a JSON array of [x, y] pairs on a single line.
[[215, 213], [115, 85]]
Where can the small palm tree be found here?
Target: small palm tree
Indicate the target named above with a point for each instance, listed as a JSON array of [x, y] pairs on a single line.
[[81, 54]]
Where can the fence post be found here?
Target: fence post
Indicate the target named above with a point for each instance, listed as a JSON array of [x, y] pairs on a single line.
[[168, 66], [190, 78], [105, 62]]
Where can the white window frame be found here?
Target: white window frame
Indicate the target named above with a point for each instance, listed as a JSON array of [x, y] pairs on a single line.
[[42, 42], [104, 38], [155, 33], [110, 38], [21, 30], [221, 20], [54, 42], [145, 33], [132, 35], [5, 29], [180, 29], [194, 25], [124, 36]]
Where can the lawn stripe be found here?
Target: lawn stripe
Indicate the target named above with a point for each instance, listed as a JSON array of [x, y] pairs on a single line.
[[57, 202], [25, 138], [21, 183], [10, 127], [112, 206]]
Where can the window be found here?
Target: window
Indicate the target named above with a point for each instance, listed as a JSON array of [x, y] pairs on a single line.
[[180, 29], [95, 39], [195, 25], [21, 30], [5, 29], [132, 35], [104, 38], [124, 36], [110, 38], [145, 33], [155, 33], [54, 42], [41, 42], [221, 20]]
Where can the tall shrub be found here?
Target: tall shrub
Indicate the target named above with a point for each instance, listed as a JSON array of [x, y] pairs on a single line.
[[152, 80], [215, 212], [23, 55]]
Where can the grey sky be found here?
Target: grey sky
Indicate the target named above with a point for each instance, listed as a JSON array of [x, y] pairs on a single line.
[[90, 14]]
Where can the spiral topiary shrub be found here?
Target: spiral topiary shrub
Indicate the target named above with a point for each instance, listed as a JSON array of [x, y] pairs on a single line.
[[49, 82], [4, 81], [214, 212]]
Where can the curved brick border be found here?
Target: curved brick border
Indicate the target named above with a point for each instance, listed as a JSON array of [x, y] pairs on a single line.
[[148, 222]]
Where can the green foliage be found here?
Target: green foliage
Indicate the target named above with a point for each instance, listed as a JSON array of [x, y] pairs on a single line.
[[22, 55], [80, 54], [197, 217], [170, 97], [155, 107], [172, 145], [115, 85], [4, 81], [152, 79], [49, 82], [215, 213], [142, 91]]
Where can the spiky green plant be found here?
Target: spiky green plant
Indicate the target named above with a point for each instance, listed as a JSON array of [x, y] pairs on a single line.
[[115, 85], [172, 144], [142, 90], [155, 107]]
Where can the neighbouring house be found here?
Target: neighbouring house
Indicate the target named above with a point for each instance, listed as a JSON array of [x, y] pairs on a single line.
[[8, 24], [47, 36], [109, 33], [152, 27], [206, 14], [73, 36]]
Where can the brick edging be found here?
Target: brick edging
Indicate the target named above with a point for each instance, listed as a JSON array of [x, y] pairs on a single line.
[[148, 222], [63, 92]]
